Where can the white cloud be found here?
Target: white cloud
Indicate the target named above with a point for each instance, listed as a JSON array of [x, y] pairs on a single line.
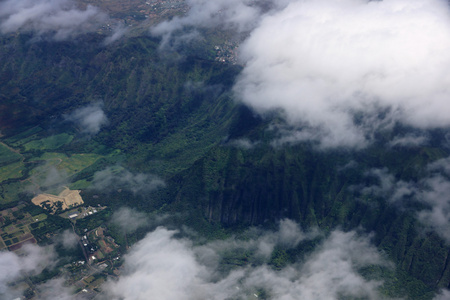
[[443, 295], [329, 273], [238, 15], [409, 140], [243, 143], [68, 239], [119, 178], [60, 19], [32, 261], [56, 288], [89, 118], [163, 267], [47, 177], [324, 61], [118, 32], [436, 195], [432, 190], [388, 186], [129, 219]]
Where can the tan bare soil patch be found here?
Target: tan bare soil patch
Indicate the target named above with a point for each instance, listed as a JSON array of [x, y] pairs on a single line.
[[66, 199]]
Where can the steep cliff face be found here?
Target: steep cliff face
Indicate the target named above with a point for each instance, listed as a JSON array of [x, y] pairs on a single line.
[[237, 187]]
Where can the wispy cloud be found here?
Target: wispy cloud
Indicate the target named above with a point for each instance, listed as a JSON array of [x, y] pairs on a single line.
[[409, 140], [59, 19], [128, 220], [15, 267], [165, 267], [237, 15], [118, 32], [120, 178], [89, 118], [432, 190]]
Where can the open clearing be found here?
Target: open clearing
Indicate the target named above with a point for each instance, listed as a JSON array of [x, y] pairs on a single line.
[[48, 143], [65, 200], [70, 164], [7, 155]]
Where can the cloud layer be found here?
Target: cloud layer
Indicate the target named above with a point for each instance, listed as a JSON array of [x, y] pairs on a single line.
[[324, 62], [163, 267], [33, 260], [59, 19], [338, 70], [237, 15]]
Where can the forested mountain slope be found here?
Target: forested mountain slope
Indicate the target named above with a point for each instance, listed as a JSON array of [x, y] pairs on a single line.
[[175, 116]]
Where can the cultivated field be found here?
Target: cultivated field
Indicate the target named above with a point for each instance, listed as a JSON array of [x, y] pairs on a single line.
[[11, 171], [7, 155], [14, 228], [49, 143]]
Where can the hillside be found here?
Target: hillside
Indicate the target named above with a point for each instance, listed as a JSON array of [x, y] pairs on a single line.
[[176, 117]]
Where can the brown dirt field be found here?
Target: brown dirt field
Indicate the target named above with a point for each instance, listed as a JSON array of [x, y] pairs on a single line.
[[99, 232], [19, 245], [25, 237], [67, 197], [104, 247]]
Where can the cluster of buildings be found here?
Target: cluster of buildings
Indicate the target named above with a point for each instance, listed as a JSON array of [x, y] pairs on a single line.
[[227, 52]]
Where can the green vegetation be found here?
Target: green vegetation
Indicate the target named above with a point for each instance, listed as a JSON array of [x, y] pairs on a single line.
[[10, 192], [175, 118], [80, 185], [40, 217], [7, 155], [69, 164], [49, 143], [24, 136], [11, 171]]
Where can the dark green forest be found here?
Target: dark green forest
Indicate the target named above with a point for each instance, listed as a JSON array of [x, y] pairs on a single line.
[[174, 115]]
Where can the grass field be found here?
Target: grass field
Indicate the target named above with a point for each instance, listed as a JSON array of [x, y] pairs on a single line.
[[49, 143], [8, 156], [70, 164], [11, 171], [80, 185], [40, 217], [9, 192], [15, 165], [77, 162]]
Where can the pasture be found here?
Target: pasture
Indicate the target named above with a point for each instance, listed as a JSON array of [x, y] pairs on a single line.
[[7, 155], [11, 171], [49, 143]]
